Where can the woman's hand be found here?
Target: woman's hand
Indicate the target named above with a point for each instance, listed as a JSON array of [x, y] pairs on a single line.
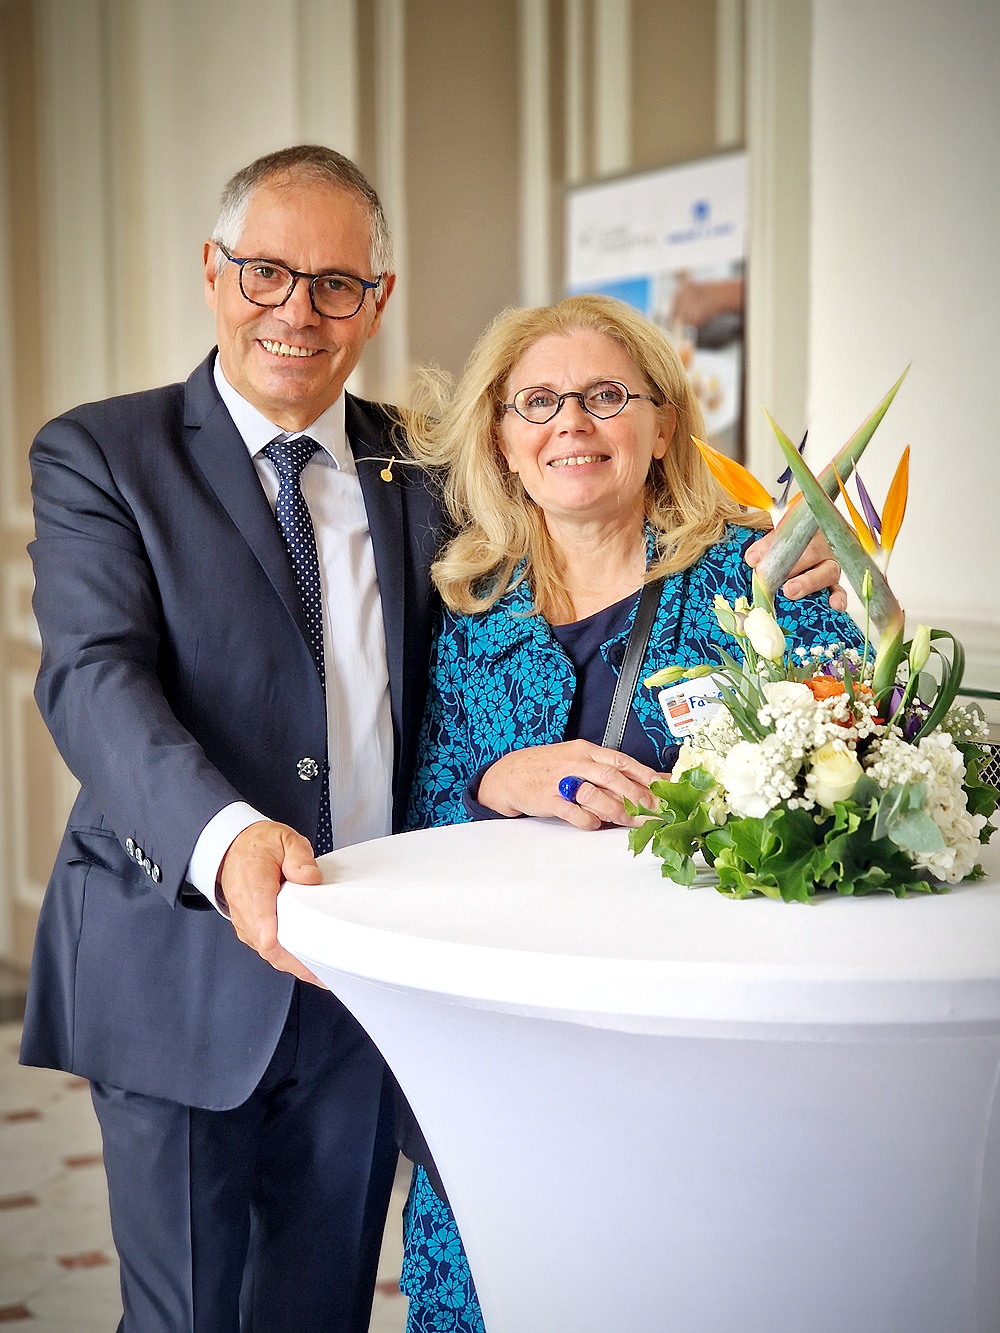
[[526, 782], [815, 570]]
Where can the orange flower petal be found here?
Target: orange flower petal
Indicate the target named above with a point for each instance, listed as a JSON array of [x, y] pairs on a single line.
[[742, 485], [895, 502], [865, 535], [825, 687]]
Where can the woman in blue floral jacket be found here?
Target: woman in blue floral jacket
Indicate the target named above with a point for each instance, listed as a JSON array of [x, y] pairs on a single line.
[[572, 479]]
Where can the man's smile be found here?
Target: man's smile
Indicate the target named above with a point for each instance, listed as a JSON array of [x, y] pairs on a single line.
[[285, 349]]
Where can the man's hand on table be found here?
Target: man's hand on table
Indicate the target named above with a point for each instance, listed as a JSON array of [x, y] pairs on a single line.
[[257, 863]]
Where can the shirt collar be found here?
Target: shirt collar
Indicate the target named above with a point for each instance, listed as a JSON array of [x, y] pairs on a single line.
[[329, 430]]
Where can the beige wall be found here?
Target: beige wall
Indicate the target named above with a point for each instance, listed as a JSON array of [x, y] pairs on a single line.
[[121, 119], [904, 271], [462, 172], [673, 82]]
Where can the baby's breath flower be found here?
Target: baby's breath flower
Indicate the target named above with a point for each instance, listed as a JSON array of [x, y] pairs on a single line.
[[966, 724], [935, 762]]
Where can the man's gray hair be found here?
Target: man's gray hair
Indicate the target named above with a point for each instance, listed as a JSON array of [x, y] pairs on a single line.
[[303, 162]]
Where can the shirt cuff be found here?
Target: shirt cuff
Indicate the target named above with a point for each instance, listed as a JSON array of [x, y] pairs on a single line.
[[213, 842]]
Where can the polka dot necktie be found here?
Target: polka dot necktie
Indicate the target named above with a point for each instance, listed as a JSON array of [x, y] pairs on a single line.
[[289, 458]]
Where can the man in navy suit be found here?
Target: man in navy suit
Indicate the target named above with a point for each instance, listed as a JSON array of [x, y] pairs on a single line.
[[247, 1133]]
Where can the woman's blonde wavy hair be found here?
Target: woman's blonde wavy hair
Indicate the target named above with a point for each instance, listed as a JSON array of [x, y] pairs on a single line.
[[456, 428]]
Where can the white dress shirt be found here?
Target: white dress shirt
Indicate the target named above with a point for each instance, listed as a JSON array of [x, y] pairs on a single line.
[[359, 721]]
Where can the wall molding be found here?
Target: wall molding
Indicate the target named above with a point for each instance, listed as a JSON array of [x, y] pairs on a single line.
[[329, 107], [730, 63], [575, 90], [27, 890], [14, 513], [74, 149], [534, 100], [612, 86], [390, 171], [16, 587]]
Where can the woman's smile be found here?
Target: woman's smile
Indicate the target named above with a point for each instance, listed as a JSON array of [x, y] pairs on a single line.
[[579, 460]]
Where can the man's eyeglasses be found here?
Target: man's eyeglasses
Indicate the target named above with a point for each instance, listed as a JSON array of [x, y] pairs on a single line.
[[333, 295], [603, 400]]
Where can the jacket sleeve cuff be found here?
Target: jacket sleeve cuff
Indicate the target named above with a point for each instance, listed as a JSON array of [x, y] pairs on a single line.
[[470, 803]]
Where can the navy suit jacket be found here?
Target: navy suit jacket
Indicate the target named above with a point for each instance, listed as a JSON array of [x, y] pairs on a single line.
[[176, 678]]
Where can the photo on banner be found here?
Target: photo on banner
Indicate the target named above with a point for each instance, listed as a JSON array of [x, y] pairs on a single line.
[[672, 243]]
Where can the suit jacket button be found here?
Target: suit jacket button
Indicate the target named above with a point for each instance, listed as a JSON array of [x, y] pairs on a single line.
[[138, 853], [307, 769], [130, 846], [156, 874], [147, 865]]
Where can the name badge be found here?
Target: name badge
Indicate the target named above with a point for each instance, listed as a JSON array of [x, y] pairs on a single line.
[[688, 704]]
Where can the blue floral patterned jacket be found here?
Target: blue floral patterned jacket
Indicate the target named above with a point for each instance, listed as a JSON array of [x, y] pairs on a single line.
[[500, 681]]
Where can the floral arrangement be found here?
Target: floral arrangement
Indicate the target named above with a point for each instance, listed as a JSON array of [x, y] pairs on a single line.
[[826, 768]]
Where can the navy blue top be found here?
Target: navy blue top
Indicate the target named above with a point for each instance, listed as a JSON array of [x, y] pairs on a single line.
[[595, 681], [595, 689]]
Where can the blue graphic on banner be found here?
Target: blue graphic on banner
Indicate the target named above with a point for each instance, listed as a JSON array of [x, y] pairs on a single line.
[[636, 292]]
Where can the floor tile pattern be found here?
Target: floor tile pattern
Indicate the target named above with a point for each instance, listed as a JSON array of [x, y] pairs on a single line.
[[58, 1268]]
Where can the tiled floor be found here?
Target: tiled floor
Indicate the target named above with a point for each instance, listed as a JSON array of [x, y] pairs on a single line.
[[58, 1270]]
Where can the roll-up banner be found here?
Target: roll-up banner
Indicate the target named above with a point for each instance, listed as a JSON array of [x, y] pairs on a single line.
[[672, 243]]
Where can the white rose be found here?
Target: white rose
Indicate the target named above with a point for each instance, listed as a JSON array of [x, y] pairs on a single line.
[[834, 774], [762, 630], [741, 778], [789, 696]]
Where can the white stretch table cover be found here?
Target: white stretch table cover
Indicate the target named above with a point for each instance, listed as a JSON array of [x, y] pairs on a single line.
[[657, 1109]]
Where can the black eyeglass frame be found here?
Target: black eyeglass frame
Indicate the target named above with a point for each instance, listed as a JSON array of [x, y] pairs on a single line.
[[580, 396], [311, 278]]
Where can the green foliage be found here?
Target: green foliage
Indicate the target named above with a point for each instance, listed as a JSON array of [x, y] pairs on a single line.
[[942, 696], [678, 826], [791, 854]]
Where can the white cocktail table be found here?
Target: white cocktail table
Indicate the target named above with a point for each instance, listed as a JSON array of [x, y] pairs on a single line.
[[655, 1109]]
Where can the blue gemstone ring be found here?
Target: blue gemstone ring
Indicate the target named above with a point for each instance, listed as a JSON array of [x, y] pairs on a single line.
[[568, 788]]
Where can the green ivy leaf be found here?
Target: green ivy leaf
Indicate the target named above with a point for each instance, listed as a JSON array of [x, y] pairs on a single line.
[[678, 867], [864, 864], [639, 838], [674, 832]]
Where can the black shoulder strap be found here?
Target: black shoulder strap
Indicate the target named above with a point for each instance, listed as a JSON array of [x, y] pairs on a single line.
[[635, 651]]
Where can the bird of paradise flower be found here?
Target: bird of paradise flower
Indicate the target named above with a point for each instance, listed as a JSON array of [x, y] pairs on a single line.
[[862, 547]]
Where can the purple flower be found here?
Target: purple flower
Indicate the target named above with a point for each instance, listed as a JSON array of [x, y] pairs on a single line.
[[914, 719], [786, 478], [871, 513]]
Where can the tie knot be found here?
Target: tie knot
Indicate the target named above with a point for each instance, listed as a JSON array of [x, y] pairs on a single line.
[[290, 456]]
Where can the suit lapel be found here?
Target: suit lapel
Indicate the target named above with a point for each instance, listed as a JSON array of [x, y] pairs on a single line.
[[369, 441], [219, 451]]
